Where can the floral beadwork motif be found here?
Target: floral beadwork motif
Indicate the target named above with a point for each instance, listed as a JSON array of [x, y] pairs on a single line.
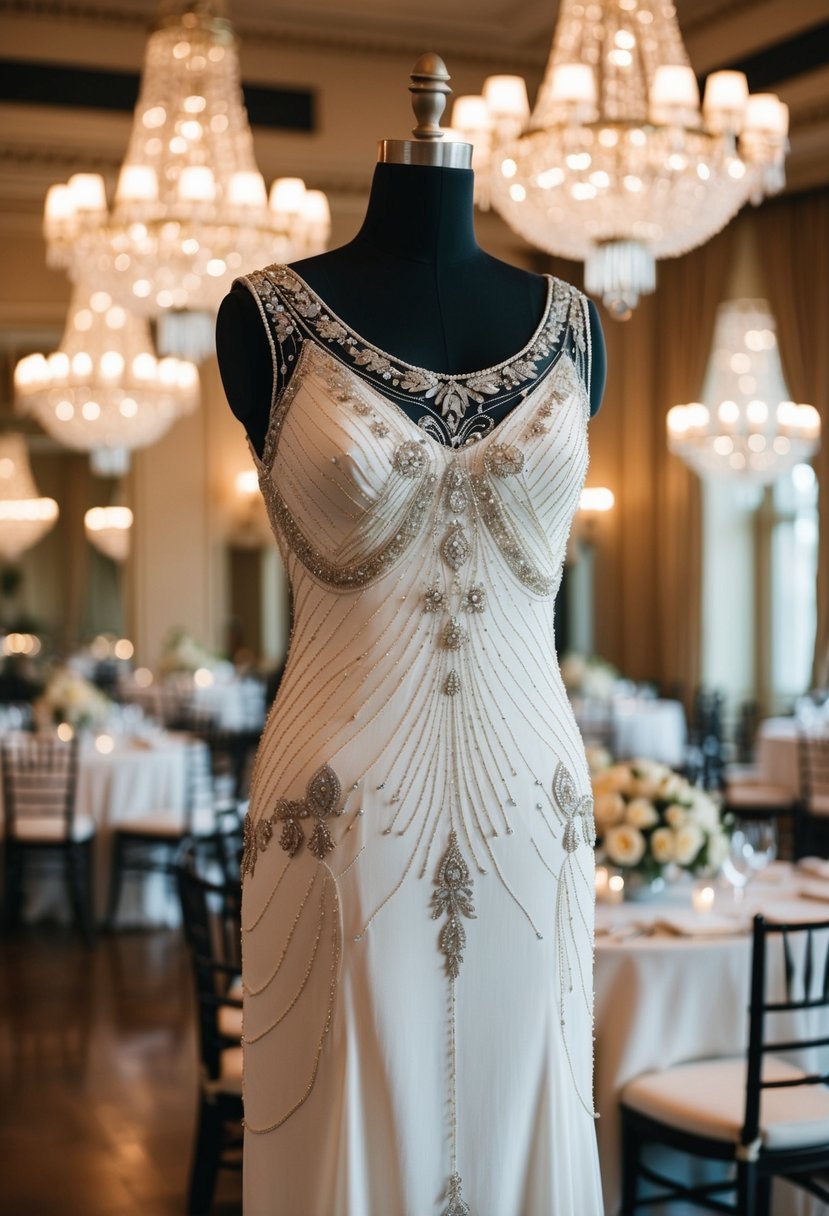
[[455, 635], [455, 547], [409, 459], [456, 492], [503, 460], [573, 807], [474, 599], [322, 796], [433, 600], [452, 898]]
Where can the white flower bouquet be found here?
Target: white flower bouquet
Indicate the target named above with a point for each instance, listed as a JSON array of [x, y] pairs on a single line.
[[588, 676], [69, 698], [649, 818], [182, 653]]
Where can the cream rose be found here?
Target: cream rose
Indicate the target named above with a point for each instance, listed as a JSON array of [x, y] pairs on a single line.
[[672, 786], [641, 813], [687, 843], [705, 811], [676, 816], [608, 809], [615, 779], [663, 845], [625, 845], [718, 847]]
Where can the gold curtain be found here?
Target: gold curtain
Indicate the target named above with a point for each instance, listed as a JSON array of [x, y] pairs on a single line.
[[794, 239], [648, 581]]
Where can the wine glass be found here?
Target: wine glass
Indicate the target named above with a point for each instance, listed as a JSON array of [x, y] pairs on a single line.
[[762, 836], [738, 868]]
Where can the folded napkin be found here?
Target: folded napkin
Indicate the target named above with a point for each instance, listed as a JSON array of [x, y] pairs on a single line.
[[814, 866], [696, 924], [795, 911], [814, 890]]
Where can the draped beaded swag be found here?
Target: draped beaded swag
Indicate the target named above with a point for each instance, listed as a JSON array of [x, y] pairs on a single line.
[[418, 865]]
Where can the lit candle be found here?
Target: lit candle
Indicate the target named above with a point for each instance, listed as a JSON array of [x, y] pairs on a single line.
[[601, 881], [615, 888], [703, 899]]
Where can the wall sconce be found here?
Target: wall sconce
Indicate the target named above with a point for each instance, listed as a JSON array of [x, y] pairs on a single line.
[[249, 523]]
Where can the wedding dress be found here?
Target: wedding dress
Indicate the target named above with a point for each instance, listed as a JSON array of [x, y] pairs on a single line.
[[418, 865]]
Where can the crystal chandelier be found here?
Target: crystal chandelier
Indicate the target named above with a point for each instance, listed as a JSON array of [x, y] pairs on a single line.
[[745, 428], [616, 166], [103, 390], [108, 529], [24, 517], [191, 210]]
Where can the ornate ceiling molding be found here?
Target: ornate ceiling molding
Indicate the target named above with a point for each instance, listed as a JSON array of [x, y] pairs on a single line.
[[354, 37]]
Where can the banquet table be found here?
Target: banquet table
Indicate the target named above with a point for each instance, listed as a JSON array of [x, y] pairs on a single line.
[[138, 775], [654, 728], [233, 704], [673, 986]]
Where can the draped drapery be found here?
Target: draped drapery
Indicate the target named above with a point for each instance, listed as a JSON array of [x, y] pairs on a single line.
[[649, 567], [794, 237]]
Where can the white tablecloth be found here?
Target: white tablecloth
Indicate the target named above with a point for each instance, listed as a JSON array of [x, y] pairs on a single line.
[[237, 704], [136, 777], [634, 726], [663, 1000], [776, 753]]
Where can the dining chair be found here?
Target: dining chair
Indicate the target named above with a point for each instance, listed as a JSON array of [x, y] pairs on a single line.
[[812, 812], [761, 1113], [42, 822], [747, 795], [212, 928], [147, 844]]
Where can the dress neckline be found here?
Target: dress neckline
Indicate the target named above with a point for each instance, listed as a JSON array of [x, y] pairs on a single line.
[[448, 377], [280, 407]]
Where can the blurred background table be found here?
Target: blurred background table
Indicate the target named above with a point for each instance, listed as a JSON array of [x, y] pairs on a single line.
[[635, 726], [130, 777], [673, 986]]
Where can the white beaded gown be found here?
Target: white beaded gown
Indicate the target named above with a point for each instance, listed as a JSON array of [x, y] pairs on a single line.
[[418, 868]]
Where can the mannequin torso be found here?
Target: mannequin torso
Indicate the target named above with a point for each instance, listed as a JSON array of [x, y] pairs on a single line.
[[413, 282]]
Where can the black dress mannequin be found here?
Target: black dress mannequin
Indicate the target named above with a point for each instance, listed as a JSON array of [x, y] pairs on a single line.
[[413, 282]]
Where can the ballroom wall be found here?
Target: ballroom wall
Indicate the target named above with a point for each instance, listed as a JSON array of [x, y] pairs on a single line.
[[183, 489]]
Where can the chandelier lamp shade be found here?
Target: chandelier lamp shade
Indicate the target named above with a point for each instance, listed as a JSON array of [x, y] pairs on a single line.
[[745, 427], [103, 390], [109, 529], [25, 517], [619, 164], [191, 210]]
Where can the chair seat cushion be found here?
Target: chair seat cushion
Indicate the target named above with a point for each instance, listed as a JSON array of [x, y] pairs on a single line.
[[168, 824], [819, 804], [756, 794], [707, 1098], [229, 1080], [52, 830], [230, 1021]]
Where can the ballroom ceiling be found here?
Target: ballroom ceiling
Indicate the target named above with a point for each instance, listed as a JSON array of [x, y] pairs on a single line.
[[349, 52]]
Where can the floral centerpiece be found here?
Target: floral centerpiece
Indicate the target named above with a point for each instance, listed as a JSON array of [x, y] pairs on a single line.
[[70, 698], [649, 818], [588, 676], [182, 653]]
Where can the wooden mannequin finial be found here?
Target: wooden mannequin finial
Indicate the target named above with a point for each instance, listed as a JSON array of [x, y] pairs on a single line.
[[429, 90]]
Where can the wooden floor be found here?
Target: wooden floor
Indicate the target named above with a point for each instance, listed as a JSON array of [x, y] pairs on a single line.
[[98, 1077]]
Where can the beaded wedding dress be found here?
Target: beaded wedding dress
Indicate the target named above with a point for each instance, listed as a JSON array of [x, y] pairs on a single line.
[[418, 865]]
